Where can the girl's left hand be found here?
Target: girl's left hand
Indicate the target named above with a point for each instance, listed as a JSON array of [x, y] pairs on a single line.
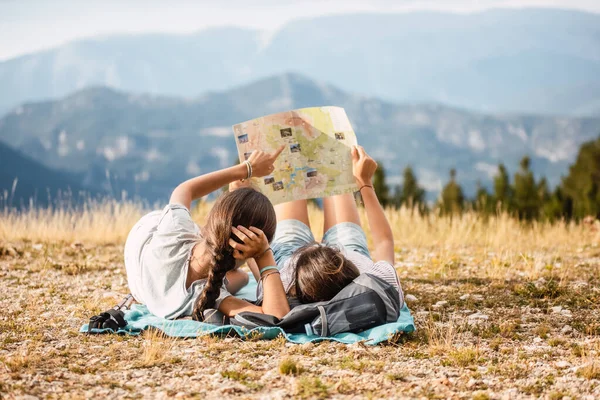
[[254, 242]]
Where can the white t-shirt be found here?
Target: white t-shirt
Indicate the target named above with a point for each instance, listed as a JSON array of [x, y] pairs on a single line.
[[157, 255]]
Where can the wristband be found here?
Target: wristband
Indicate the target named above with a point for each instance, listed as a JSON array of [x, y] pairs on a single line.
[[248, 169], [262, 254], [269, 268], [262, 278], [364, 186]]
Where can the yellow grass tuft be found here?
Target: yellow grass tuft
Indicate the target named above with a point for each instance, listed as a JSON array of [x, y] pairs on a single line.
[[109, 221]]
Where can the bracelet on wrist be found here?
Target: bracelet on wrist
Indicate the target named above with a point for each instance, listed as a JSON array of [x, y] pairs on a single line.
[[263, 277], [248, 170], [364, 186], [263, 253], [269, 268]]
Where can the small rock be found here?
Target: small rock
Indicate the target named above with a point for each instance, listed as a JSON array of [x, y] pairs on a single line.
[[478, 316], [556, 309], [477, 297], [537, 340], [562, 364], [440, 304], [37, 246], [410, 298], [566, 313], [465, 296], [566, 329]]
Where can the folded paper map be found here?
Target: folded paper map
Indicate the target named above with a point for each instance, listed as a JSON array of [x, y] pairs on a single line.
[[316, 161]]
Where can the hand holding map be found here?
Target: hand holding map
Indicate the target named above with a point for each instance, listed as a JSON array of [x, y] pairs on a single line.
[[315, 160], [262, 162]]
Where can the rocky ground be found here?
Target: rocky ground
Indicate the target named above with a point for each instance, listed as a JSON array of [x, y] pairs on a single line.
[[489, 326]]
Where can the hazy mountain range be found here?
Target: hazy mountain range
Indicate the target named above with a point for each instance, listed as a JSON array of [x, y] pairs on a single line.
[[511, 60], [22, 179], [146, 144]]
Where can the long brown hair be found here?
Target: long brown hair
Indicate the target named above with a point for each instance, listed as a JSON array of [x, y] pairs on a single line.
[[245, 207], [321, 272]]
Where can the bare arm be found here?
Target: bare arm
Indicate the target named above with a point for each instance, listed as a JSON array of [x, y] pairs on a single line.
[[364, 167], [195, 188], [274, 298], [253, 268], [202, 185]]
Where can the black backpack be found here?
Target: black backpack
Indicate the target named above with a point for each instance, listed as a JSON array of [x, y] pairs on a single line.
[[366, 302]]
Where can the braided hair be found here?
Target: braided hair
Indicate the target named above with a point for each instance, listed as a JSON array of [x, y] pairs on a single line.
[[245, 207]]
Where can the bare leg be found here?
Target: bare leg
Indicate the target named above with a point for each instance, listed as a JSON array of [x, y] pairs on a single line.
[[337, 209], [236, 280], [297, 209]]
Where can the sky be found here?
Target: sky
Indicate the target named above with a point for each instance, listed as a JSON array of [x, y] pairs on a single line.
[[27, 26]]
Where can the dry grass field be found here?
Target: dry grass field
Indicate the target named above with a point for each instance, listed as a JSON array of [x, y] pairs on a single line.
[[503, 310]]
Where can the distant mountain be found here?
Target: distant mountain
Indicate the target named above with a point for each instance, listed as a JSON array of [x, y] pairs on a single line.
[[146, 144], [22, 179], [510, 60]]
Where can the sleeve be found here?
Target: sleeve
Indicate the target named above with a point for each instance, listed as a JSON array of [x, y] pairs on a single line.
[[176, 218], [224, 293], [387, 272]]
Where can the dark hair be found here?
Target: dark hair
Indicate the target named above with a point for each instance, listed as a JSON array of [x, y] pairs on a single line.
[[245, 207], [321, 272]]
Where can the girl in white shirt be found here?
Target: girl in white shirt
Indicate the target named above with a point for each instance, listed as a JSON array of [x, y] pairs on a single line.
[[177, 268]]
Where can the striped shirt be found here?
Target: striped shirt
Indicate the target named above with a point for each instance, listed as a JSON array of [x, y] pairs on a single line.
[[380, 269]]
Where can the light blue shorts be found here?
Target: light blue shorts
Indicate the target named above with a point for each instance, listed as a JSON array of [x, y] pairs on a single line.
[[292, 234]]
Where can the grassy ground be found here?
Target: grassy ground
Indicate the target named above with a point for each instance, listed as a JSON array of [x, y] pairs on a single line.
[[503, 310]]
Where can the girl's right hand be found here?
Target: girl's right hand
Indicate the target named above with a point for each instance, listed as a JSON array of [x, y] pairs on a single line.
[[254, 240], [262, 163], [363, 166]]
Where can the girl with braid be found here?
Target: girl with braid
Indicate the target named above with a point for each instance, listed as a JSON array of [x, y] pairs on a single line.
[[179, 269]]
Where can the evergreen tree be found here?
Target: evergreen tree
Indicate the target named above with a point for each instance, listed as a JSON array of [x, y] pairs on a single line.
[[503, 195], [452, 197], [554, 207], [527, 203], [581, 187], [483, 202], [380, 186], [410, 194]]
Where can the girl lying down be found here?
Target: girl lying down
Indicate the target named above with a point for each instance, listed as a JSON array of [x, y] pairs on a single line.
[[178, 268], [312, 272]]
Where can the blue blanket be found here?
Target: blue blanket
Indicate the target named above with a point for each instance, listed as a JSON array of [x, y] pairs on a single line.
[[140, 319]]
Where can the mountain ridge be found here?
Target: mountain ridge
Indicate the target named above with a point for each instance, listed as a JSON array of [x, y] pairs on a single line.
[[138, 139], [528, 60]]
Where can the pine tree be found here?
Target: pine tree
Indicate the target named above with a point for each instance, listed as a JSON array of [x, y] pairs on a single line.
[[452, 197], [380, 186], [582, 186], [503, 195], [527, 203], [554, 207], [410, 194], [483, 202]]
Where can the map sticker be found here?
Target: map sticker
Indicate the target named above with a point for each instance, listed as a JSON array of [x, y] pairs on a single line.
[[316, 161]]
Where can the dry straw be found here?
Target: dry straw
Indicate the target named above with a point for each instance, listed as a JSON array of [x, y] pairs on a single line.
[[109, 222]]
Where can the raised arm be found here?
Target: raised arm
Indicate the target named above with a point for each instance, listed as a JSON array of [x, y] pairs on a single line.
[[274, 298], [363, 168], [195, 188]]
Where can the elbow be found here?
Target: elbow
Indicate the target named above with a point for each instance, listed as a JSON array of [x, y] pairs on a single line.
[[279, 314]]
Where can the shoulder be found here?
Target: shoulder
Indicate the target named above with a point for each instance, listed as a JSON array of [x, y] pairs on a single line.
[[381, 269], [176, 217]]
